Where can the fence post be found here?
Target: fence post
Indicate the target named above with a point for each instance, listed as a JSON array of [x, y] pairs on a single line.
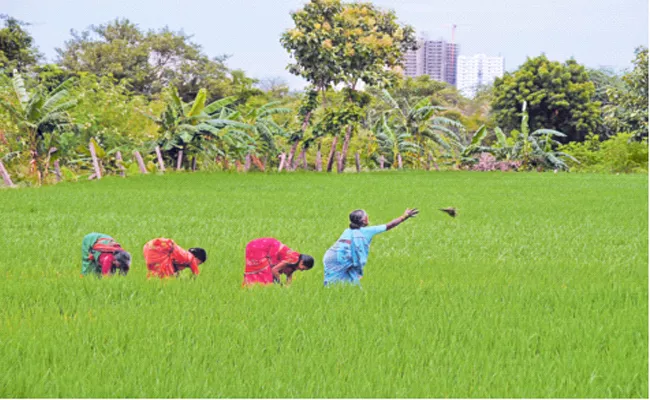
[[282, 158], [303, 159], [319, 161], [57, 171], [179, 160], [258, 163], [118, 157], [161, 164], [381, 162], [330, 158], [138, 158], [93, 154], [337, 157], [399, 160], [357, 161], [5, 175], [193, 163], [247, 163]]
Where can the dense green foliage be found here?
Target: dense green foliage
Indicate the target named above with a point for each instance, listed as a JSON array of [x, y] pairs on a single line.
[[559, 97], [618, 154], [537, 289], [148, 61], [17, 49]]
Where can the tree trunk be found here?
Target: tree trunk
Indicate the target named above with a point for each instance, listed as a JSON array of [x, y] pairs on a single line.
[[292, 154], [238, 166], [319, 161], [224, 163], [247, 163], [194, 163], [291, 163], [57, 171], [161, 164], [5, 175], [399, 160], [303, 158], [344, 151], [282, 159], [330, 159], [93, 154], [338, 161], [266, 159], [138, 158], [429, 162], [381, 162], [119, 162], [179, 160], [357, 159]]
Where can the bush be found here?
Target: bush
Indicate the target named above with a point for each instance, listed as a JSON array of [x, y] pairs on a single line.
[[616, 154]]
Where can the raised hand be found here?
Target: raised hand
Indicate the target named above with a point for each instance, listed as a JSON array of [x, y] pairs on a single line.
[[411, 212]]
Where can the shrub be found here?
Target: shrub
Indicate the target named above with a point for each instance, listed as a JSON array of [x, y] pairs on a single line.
[[616, 154]]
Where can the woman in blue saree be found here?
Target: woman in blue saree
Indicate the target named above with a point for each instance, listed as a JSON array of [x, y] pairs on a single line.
[[345, 260]]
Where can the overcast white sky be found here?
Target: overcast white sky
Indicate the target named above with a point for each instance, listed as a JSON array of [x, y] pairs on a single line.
[[594, 32]]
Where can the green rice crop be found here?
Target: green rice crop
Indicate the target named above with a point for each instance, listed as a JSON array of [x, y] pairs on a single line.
[[539, 288]]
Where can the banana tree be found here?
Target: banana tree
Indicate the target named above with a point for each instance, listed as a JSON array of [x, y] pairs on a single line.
[[421, 121], [536, 149], [39, 116], [263, 129], [187, 128], [461, 148], [392, 144]]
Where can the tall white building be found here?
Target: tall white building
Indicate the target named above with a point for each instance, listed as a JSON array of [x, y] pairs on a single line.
[[476, 71]]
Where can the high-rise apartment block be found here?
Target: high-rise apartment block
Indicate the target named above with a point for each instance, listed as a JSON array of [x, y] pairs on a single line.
[[436, 58], [476, 71]]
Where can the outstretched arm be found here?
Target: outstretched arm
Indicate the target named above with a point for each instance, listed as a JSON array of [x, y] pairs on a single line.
[[409, 213]]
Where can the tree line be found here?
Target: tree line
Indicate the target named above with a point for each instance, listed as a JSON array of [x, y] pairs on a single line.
[[116, 93]]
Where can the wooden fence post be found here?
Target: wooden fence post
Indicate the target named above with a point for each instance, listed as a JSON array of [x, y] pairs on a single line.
[[5, 175], [57, 171], [337, 157], [138, 158], [161, 164], [381, 162], [399, 160], [357, 160], [247, 163], [93, 154], [303, 159], [179, 160], [282, 158], [118, 158], [330, 158], [319, 161], [258, 163]]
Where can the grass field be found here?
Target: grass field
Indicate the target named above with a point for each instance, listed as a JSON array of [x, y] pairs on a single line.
[[538, 289]]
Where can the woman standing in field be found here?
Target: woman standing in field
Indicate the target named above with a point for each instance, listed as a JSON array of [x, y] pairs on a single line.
[[165, 258], [268, 258], [102, 255], [344, 261]]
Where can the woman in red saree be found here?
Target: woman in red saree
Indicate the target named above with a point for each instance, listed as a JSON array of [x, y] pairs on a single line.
[[268, 258], [165, 258]]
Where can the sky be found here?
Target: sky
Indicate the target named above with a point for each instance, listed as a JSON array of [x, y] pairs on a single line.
[[594, 32]]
